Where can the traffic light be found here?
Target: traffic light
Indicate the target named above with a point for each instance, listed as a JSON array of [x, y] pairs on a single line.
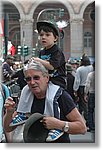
[[33, 51], [25, 50], [61, 13], [19, 50]]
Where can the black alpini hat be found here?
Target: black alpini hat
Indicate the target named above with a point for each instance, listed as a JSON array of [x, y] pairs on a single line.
[[34, 130], [49, 24]]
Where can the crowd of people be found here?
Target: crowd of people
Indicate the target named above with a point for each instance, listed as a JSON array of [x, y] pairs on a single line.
[[63, 92]]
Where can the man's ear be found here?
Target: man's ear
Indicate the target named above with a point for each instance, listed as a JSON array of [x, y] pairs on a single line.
[[48, 78]]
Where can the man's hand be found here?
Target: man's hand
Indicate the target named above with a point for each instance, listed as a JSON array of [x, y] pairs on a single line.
[[9, 104], [52, 123]]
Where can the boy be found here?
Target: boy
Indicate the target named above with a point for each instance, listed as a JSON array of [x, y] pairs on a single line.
[[51, 56]]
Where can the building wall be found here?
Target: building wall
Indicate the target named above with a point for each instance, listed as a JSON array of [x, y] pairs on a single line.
[[76, 13]]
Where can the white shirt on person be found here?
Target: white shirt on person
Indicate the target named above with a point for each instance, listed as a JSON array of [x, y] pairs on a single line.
[[81, 76], [90, 83]]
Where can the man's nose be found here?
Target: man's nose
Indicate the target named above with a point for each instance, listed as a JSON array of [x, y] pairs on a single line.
[[32, 81]]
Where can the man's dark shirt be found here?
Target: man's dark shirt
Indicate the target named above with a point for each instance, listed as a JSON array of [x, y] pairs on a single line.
[[66, 105]]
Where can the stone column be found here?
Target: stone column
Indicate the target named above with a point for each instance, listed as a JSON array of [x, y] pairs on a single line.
[[76, 29], [26, 26]]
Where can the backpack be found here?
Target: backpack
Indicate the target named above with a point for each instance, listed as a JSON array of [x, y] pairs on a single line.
[[55, 103], [3, 93]]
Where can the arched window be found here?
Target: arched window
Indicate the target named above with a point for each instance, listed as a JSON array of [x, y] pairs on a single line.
[[87, 39], [92, 15]]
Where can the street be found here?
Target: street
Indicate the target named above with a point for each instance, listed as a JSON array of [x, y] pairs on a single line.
[[89, 137]]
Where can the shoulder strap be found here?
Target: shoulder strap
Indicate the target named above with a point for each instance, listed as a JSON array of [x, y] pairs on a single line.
[[3, 92], [58, 93], [55, 103]]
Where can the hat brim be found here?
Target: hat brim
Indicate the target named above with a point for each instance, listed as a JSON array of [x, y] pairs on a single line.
[[10, 57], [34, 130], [45, 23]]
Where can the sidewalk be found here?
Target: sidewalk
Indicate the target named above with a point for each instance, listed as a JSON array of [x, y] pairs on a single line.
[[89, 137]]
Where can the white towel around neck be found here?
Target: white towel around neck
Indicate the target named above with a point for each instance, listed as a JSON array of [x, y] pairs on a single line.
[[27, 97]]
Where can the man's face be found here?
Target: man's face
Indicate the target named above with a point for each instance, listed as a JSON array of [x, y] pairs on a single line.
[[10, 61], [37, 82]]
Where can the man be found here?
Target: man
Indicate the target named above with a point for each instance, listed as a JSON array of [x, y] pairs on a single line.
[[90, 98], [79, 85], [70, 80], [20, 77], [6, 68], [38, 96]]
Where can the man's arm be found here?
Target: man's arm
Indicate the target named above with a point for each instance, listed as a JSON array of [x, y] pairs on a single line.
[[75, 122]]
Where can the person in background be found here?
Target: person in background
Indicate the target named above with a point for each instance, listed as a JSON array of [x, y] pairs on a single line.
[[6, 68], [75, 65], [79, 85], [42, 96], [19, 75], [90, 98], [70, 81], [14, 68], [4, 94]]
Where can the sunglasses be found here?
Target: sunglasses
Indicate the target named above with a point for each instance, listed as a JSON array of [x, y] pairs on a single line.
[[34, 78]]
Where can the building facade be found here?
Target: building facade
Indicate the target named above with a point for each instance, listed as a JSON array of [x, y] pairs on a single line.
[[78, 18]]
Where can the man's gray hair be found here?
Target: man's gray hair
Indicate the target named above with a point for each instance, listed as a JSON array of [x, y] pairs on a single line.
[[35, 65]]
